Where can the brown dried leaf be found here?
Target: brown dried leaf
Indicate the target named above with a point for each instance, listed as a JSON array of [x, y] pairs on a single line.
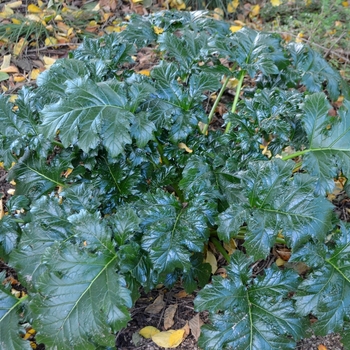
[[195, 324], [157, 306], [181, 294], [187, 330], [169, 316]]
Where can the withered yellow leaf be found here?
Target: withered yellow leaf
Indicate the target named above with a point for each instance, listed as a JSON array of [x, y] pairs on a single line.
[[19, 47], [280, 262], [34, 9], [182, 145], [232, 6], [276, 2], [6, 12], [49, 41], [255, 11], [6, 62], [19, 78], [299, 38], [169, 339], [48, 61], [15, 21], [234, 29], [34, 74], [218, 13], [212, 261], [148, 332], [158, 30], [321, 347], [345, 4], [15, 4], [146, 72], [2, 212]]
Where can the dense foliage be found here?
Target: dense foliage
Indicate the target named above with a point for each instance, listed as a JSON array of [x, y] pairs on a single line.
[[121, 184]]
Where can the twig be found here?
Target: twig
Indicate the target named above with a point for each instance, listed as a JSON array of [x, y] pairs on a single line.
[[335, 43]]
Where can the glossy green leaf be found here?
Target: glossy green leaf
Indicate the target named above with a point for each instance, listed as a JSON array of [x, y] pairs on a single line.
[[257, 315]]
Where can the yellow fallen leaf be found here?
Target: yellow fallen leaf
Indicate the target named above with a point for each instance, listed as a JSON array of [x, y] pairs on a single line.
[[181, 145], [13, 98], [50, 41], [58, 18], [280, 262], [321, 347], [232, 6], [11, 191], [19, 47], [34, 9], [254, 11], [276, 2], [148, 332], [345, 4], [218, 13], [158, 30], [48, 61], [2, 212], [169, 339], [299, 37], [15, 21], [34, 74], [308, 2], [19, 78], [230, 246], [234, 29], [34, 17], [212, 261], [146, 72], [6, 12], [1, 165], [15, 4], [6, 62]]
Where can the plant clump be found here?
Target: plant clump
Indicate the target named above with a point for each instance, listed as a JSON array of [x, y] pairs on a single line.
[[121, 183]]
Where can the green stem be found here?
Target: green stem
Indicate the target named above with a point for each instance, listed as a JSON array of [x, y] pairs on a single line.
[[56, 143], [220, 248], [212, 111], [296, 154], [235, 101], [164, 159]]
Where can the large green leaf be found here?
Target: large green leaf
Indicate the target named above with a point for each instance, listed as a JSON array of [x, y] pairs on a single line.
[[91, 114], [9, 322], [48, 225], [328, 151], [325, 293], [275, 203], [254, 314], [172, 231], [95, 302]]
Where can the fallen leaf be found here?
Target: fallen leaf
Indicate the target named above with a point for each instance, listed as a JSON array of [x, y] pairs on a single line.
[[181, 145], [19, 78], [34, 74], [218, 13], [6, 62], [276, 2], [169, 314], [148, 332], [146, 72], [195, 324], [181, 294], [49, 61], [6, 12], [254, 11], [280, 262], [34, 9], [50, 41], [19, 47], [187, 330], [232, 6], [2, 212], [15, 4], [321, 347], [234, 29], [4, 76], [157, 306], [230, 246], [158, 30], [169, 339], [299, 38], [212, 261]]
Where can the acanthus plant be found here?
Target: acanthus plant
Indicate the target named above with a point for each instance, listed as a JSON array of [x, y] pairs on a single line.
[[121, 184]]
